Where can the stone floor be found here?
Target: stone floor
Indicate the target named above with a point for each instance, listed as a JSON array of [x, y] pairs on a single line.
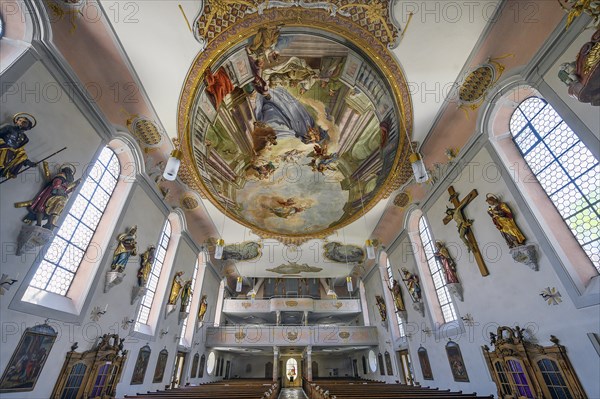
[[292, 393]]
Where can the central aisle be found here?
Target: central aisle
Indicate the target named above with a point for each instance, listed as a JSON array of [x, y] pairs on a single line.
[[292, 393]]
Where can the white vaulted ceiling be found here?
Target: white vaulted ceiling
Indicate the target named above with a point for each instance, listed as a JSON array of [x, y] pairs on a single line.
[[433, 51]]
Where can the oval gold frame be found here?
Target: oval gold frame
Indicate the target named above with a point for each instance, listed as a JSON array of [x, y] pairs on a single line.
[[320, 20]]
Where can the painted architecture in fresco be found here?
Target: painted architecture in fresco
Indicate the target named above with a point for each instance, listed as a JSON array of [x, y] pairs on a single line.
[[286, 133]]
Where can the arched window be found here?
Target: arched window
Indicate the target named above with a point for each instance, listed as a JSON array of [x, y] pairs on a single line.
[[188, 325], [68, 247], [74, 381], [291, 369], [502, 379], [515, 370], [364, 365], [554, 379], [201, 366], [565, 168], [157, 265], [441, 291], [194, 368], [381, 365]]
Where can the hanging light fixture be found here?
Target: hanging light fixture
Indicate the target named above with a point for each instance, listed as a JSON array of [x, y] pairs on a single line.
[[173, 165], [416, 160], [219, 248], [238, 285], [368, 243], [370, 249], [221, 242], [349, 284], [418, 167]]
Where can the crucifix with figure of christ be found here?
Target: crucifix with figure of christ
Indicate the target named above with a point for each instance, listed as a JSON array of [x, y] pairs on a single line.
[[464, 225]]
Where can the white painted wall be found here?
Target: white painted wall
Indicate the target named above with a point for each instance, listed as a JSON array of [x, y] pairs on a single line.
[[508, 296], [61, 123]]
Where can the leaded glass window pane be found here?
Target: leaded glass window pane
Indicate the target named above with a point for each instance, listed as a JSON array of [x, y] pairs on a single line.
[[148, 299], [64, 254], [441, 291], [566, 169]]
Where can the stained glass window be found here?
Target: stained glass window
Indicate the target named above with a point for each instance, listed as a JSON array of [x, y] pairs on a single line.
[[441, 291], [66, 251], [515, 370], [159, 259], [565, 168]]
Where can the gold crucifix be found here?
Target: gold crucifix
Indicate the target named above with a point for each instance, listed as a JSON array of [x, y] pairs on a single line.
[[464, 225]]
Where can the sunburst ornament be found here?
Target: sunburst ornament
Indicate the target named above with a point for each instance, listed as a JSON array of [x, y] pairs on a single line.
[[551, 295]]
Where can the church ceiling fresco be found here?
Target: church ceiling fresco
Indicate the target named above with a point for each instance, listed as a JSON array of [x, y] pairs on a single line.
[[292, 130]]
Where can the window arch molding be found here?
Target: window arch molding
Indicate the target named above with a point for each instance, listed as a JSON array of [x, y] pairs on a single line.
[[386, 273], [570, 262], [178, 225], [70, 307], [429, 295]]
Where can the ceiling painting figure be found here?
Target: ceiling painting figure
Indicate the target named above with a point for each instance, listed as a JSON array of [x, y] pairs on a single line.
[[296, 146]]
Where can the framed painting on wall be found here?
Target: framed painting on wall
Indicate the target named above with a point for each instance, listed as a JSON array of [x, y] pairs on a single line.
[[425, 365], [161, 364], [28, 359], [457, 365], [139, 371]]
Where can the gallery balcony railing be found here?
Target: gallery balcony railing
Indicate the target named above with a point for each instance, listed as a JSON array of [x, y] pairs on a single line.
[[268, 335], [340, 306]]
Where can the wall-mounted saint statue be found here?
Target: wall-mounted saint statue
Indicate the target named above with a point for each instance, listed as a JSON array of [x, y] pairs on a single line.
[[51, 200], [127, 246], [175, 288], [397, 295], [442, 255], [414, 289], [504, 221], [146, 260], [203, 308], [12, 145], [186, 297], [381, 306]]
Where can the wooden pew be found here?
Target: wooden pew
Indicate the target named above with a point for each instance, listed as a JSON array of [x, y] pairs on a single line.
[[243, 389], [351, 389]]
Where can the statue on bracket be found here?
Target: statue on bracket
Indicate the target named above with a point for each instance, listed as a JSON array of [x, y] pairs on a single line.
[[47, 205], [504, 221], [398, 302], [414, 289], [202, 309], [381, 307], [174, 294], [186, 297], [146, 261], [442, 255], [127, 246], [12, 145]]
